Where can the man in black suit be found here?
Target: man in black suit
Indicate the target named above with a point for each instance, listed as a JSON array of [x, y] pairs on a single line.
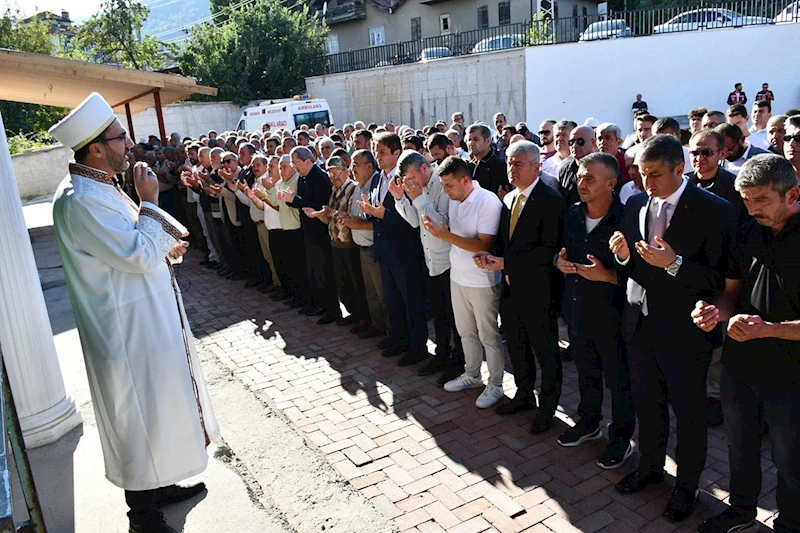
[[314, 190], [530, 233], [672, 248], [398, 250]]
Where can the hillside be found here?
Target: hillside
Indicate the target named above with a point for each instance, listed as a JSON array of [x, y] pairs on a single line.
[[166, 16]]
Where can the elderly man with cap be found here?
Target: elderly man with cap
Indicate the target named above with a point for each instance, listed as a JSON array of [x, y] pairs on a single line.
[[153, 412]]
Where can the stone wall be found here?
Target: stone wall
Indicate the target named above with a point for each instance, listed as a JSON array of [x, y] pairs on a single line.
[[38, 172], [187, 118]]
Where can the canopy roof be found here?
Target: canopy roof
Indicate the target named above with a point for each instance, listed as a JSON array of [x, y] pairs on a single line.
[[41, 79]]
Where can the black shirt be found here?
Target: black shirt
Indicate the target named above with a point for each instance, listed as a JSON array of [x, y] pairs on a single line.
[[769, 267], [592, 307], [568, 183], [639, 105], [490, 172], [723, 186]]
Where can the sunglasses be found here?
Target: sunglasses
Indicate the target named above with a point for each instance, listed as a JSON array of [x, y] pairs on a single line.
[[545, 132], [703, 153], [226, 161], [578, 141], [790, 138]]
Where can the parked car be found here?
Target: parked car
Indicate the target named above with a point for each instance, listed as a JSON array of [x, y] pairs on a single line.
[[708, 18], [790, 14], [438, 52], [501, 42], [606, 29]]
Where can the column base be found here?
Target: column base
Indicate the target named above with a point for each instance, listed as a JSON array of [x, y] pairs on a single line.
[[51, 424]]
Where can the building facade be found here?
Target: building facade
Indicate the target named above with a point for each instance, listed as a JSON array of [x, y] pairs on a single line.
[[359, 24]]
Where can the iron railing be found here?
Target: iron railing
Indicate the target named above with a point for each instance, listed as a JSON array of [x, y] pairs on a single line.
[[582, 28]]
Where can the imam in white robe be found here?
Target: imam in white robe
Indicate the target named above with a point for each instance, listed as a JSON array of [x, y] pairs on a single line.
[[145, 377]]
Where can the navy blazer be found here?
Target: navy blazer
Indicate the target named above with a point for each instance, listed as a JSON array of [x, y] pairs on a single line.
[[699, 231], [396, 242]]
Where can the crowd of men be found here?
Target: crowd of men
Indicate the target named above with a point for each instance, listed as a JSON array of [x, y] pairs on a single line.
[[672, 255]]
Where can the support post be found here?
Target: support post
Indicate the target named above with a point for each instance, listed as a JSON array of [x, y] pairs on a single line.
[[45, 410], [159, 115], [131, 133]]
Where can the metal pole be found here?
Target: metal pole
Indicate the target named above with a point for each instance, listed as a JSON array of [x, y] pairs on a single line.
[[161, 130]]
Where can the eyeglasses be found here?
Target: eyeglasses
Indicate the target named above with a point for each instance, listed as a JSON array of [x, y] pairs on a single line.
[[121, 137], [703, 153], [226, 161], [545, 132], [789, 138], [578, 141]]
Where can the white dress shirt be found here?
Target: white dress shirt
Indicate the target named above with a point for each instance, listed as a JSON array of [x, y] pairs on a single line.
[[433, 203], [734, 166], [385, 183]]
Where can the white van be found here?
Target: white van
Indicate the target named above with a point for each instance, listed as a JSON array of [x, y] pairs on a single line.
[[289, 113]]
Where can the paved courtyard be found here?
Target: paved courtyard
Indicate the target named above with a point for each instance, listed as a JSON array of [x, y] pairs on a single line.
[[426, 458]]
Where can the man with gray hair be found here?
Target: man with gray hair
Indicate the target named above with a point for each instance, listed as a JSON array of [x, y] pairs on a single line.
[[609, 141], [529, 238], [760, 374], [421, 195]]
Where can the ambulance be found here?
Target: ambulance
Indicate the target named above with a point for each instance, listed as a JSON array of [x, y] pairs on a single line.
[[288, 113]]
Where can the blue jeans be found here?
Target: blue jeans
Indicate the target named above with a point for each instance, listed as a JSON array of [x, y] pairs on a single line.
[[740, 406]]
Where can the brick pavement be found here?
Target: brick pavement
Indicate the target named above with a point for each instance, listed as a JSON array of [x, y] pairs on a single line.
[[429, 459]]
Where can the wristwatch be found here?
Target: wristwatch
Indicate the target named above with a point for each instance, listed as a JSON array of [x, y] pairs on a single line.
[[673, 267]]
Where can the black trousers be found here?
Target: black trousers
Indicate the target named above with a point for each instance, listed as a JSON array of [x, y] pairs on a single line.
[[350, 281], [741, 397], [253, 263], [141, 501], [289, 253], [659, 374], [319, 261], [603, 355], [403, 292], [532, 335], [230, 241], [444, 323]]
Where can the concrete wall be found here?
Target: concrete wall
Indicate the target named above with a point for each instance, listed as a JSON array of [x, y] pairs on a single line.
[[600, 79], [38, 172], [419, 94], [188, 118]]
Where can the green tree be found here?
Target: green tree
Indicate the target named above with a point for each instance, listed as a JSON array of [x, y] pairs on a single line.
[[114, 36], [256, 51], [26, 36]]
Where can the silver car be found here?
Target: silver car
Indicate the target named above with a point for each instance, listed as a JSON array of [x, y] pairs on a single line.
[[501, 42], [708, 18], [606, 29]]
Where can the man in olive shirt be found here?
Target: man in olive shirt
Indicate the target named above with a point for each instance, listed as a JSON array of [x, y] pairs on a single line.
[[761, 360]]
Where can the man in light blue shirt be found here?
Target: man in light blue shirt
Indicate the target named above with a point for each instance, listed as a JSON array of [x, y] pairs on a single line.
[[421, 195]]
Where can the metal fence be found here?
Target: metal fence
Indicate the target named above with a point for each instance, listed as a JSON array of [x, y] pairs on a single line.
[[582, 28]]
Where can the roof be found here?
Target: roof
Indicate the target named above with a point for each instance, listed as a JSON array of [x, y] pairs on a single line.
[[47, 80]]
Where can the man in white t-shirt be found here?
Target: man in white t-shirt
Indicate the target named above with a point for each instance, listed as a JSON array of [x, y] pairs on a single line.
[[474, 220]]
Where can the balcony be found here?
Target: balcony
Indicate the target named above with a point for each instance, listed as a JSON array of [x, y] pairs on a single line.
[[431, 2], [356, 10]]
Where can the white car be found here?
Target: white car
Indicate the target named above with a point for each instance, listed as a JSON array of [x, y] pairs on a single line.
[[708, 18], [790, 14], [438, 52], [501, 42], [606, 29]]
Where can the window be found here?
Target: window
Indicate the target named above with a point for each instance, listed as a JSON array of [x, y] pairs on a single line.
[[575, 16], [377, 36], [416, 29], [585, 18], [444, 24], [504, 12], [332, 44], [483, 17]]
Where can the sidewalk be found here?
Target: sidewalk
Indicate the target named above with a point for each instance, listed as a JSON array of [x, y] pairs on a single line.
[[426, 458]]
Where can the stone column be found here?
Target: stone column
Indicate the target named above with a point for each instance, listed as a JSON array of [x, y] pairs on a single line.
[[45, 410]]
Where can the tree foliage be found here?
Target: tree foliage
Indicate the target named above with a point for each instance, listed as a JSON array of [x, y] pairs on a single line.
[[27, 36], [114, 36], [259, 50]]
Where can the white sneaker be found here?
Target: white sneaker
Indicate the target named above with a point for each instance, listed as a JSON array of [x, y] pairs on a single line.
[[490, 396], [463, 382]]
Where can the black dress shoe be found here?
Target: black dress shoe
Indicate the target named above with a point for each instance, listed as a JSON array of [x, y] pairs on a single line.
[[253, 283], [281, 296], [412, 358], [713, 412], [178, 493], [394, 350], [541, 424], [384, 343], [225, 272], [450, 373], [319, 311], [368, 333], [636, 481], [204, 262], [152, 522], [306, 310], [437, 364], [296, 303], [327, 319], [519, 403], [235, 276], [680, 505]]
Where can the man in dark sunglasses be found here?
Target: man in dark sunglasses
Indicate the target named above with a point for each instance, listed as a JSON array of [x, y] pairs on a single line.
[[547, 139], [791, 142], [582, 142]]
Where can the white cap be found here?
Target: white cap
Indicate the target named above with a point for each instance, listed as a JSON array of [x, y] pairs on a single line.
[[591, 122], [84, 123]]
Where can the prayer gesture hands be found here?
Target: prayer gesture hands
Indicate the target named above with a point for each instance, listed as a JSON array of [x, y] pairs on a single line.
[[412, 188], [396, 188], [440, 232], [286, 195], [487, 261], [705, 316], [377, 210], [661, 257]]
